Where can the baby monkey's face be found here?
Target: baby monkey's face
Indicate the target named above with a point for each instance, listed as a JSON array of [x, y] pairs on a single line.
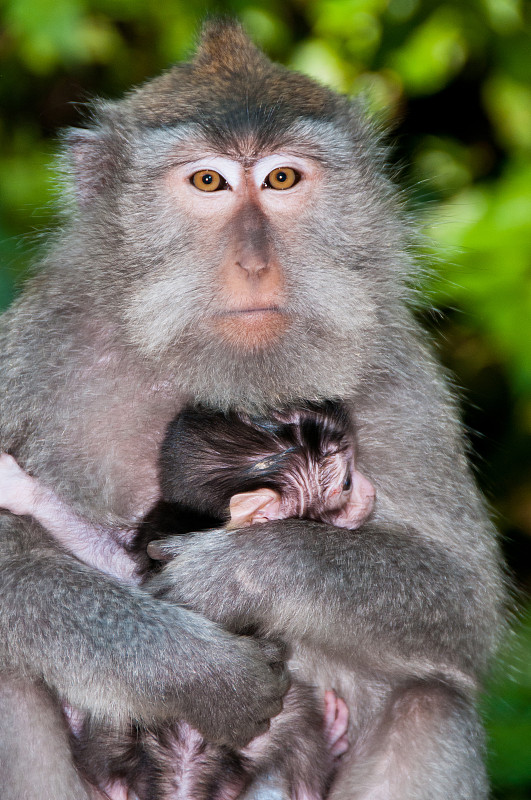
[[337, 492], [327, 489]]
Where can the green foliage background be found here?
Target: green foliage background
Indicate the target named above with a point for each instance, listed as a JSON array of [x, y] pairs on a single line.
[[452, 78]]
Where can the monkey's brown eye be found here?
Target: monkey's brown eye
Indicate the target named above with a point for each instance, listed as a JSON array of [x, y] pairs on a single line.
[[208, 180], [282, 178], [347, 484]]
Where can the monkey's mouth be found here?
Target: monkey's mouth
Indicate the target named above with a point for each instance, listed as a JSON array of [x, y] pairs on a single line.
[[240, 312], [251, 328]]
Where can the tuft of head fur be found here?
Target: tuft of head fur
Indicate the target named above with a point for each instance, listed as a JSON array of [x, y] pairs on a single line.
[[230, 84]]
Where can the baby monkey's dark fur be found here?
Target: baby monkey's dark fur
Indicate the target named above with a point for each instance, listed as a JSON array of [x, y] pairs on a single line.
[[208, 456]]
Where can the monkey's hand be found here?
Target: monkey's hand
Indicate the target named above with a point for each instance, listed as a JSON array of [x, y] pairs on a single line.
[[239, 690], [119, 653]]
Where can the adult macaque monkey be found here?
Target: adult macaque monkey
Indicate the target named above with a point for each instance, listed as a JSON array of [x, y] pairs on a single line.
[[235, 242]]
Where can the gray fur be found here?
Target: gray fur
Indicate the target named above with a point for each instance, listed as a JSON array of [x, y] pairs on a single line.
[[105, 346]]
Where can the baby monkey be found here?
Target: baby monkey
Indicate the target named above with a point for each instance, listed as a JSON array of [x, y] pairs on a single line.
[[238, 470], [233, 470]]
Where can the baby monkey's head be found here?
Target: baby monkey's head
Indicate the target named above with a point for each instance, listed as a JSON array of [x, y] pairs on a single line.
[[296, 462]]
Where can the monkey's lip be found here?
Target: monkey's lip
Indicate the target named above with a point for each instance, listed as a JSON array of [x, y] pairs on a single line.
[[238, 312]]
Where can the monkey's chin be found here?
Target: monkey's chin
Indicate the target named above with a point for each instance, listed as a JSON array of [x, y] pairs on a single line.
[[251, 330]]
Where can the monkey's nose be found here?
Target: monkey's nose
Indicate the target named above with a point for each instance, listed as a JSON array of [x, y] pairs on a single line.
[[252, 266]]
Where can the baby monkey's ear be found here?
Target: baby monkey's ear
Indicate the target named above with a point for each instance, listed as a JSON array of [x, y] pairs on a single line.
[[261, 505]]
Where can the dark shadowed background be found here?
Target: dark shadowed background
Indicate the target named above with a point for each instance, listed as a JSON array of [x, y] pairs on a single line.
[[452, 81]]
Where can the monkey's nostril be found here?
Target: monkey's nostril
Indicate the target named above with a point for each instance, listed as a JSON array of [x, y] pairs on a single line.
[[252, 266], [244, 267]]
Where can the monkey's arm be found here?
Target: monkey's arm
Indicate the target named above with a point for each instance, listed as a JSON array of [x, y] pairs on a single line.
[[381, 597], [117, 652]]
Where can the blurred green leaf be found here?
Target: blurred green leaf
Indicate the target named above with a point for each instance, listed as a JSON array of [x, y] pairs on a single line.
[[317, 59], [355, 21], [509, 105], [434, 52], [489, 232], [504, 15], [60, 32], [508, 712]]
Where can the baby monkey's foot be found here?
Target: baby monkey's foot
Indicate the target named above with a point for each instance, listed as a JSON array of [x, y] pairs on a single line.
[[336, 724]]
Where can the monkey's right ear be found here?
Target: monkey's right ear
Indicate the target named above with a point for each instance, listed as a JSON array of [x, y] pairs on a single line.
[[90, 158]]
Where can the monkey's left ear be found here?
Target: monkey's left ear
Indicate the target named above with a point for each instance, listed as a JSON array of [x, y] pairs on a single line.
[[260, 505], [91, 157]]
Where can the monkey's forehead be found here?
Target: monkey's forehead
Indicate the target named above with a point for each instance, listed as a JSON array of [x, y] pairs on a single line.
[[230, 82]]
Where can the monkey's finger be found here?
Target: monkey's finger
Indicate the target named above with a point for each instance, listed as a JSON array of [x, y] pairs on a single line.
[[167, 549], [156, 551], [340, 725], [330, 698], [336, 724]]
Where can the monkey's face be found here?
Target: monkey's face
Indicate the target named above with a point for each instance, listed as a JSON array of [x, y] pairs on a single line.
[[259, 285], [328, 488], [253, 243], [342, 495]]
